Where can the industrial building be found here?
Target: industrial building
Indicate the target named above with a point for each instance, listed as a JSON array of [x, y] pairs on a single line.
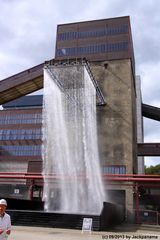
[[21, 138], [107, 45]]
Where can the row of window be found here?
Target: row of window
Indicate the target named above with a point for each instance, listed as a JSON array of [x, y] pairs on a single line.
[[21, 118], [108, 31], [93, 49], [114, 170], [15, 134], [34, 150]]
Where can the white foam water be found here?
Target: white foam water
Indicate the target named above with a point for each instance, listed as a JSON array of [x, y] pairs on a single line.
[[71, 168]]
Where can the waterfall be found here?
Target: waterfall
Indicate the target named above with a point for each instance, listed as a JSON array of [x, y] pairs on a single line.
[[71, 168]]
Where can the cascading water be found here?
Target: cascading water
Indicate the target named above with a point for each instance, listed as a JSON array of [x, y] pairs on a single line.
[[70, 151]]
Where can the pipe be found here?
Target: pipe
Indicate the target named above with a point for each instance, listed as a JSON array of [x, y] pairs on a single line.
[[104, 175], [131, 175], [137, 203], [128, 179], [131, 179]]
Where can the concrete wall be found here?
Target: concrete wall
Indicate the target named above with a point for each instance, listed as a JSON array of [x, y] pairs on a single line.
[[117, 120], [140, 134]]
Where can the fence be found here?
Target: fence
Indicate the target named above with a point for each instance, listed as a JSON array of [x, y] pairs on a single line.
[[147, 217]]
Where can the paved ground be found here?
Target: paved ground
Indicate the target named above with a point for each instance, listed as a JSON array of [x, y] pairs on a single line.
[[39, 233]]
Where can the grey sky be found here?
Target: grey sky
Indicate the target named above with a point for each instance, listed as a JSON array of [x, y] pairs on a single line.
[[28, 30]]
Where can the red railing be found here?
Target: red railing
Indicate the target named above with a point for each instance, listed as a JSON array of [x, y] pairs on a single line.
[[107, 177]]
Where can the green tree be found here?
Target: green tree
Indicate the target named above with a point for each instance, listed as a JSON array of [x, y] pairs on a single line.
[[152, 169]]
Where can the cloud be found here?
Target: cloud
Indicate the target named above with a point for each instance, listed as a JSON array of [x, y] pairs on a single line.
[[150, 82], [152, 161], [28, 34], [150, 135]]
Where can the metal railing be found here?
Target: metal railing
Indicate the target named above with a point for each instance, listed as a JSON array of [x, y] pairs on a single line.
[[79, 61], [147, 217]]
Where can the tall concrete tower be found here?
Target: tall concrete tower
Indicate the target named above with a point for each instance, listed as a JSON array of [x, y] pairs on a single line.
[[107, 45]]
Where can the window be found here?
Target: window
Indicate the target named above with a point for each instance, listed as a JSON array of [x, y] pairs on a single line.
[[27, 150], [108, 31], [114, 169], [20, 134], [93, 49], [21, 118]]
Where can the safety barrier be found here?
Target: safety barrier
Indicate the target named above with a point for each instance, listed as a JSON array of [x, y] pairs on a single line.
[[147, 217]]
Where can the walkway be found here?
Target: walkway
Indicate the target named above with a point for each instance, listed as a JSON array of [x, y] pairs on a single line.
[[38, 233]]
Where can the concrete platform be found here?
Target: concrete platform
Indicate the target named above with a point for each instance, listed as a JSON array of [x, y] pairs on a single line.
[[131, 232]]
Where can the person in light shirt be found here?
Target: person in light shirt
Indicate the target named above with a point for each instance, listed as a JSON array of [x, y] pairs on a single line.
[[5, 221]]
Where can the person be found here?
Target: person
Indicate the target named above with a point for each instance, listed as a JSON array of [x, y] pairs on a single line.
[[5, 221]]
